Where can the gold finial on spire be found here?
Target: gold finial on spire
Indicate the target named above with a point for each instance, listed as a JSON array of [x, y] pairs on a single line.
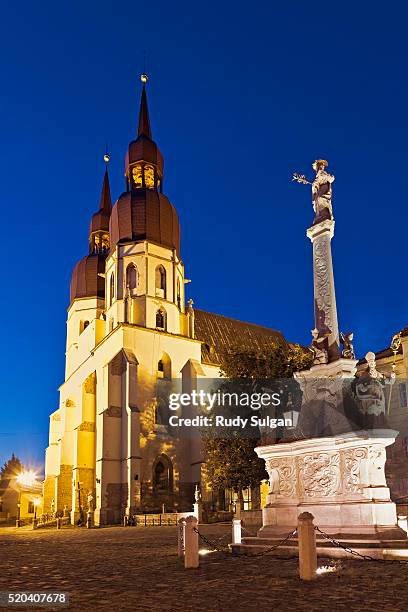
[[106, 157], [144, 78]]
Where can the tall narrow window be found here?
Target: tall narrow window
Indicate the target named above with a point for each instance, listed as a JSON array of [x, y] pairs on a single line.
[[112, 289], [161, 282], [161, 319], [178, 294], [131, 277]]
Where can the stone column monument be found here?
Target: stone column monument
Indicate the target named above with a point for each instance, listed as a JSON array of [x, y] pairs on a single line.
[[333, 466]]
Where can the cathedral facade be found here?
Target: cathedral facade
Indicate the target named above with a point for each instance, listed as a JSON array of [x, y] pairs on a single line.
[[128, 330]]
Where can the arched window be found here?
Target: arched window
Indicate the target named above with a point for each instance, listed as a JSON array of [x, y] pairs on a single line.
[[82, 326], [164, 366], [160, 281], [111, 289], [163, 475], [178, 294], [131, 277], [161, 319]]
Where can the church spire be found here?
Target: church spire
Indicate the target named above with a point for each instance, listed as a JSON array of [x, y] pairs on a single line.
[[99, 230], [106, 201], [144, 128]]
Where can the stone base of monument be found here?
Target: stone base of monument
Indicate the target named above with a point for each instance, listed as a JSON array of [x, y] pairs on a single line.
[[341, 481]]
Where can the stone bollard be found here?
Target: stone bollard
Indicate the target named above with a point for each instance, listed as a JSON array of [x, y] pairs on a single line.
[[236, 531], [307, 547], [125, 521], [191, 543], [89, 519], [58, 523], [181, 535], [403, 522]]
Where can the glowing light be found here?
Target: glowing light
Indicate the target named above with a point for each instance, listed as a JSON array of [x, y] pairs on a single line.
[[37, 502], [144, 78], [106, 158], [27, 479], [326, 569], [205, 551]]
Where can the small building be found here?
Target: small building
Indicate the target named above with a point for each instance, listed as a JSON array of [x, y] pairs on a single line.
[[19, 501]]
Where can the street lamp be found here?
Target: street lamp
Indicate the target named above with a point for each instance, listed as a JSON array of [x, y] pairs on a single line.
[[24, 479], [36, 504], [27, 478]]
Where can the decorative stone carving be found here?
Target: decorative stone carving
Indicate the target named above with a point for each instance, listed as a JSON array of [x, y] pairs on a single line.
[[69, 403], [114, 411], [86, 426], [323, 290], [348, 348], [319, 348], [320, 474], [352, 459], [282, 476], [90, 384]]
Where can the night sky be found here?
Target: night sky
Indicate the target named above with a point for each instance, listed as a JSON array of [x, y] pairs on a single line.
[[240, 96]]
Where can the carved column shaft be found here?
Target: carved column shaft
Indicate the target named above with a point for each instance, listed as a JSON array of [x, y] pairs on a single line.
[[325, 308]]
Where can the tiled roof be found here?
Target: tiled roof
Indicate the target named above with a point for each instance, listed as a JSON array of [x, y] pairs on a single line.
[[219, 334]]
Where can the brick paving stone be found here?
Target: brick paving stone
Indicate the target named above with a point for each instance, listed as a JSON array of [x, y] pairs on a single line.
[[137, 568]]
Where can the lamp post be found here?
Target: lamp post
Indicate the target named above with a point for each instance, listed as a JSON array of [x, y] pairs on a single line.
[[18, 523], [36, 504]]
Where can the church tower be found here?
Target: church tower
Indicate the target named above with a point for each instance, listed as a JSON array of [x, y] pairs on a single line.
[[144, 271]]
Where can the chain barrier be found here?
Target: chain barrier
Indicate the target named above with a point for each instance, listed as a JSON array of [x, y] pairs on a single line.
[[212, 545], [274, 547], [216, 545], [252, 535], [357, 554]]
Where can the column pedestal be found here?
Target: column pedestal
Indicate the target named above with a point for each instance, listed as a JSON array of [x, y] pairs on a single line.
[[339, 479]]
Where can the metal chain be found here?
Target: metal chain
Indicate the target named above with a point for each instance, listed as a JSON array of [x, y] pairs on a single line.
[[213, 545], [357, 554], [274, 547]]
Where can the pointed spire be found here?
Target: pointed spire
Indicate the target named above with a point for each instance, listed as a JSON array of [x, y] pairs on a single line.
[[106, 201], [144, 120]]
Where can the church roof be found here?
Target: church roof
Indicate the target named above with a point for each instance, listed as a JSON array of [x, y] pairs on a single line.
[[100, 220], [220, 334]]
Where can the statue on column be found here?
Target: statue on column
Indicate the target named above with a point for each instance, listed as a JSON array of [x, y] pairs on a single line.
[[322, 191]]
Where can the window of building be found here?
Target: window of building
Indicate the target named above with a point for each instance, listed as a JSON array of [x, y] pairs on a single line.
[[30, 509], [403, 395], [83, 325], [111, 289], [163, 475], [160, 281], [164, 366], [149, 176], [137, 176], [131, 277], [178, 294], [161, 319]]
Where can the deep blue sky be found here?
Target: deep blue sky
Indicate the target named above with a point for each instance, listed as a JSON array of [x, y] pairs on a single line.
[[240, 95]]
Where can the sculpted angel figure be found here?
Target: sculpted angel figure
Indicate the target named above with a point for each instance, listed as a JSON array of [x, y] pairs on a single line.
[[322, 191], [319, 348], [348, 348]]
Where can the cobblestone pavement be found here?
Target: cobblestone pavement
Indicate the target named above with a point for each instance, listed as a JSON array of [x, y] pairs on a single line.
[[137, 568]]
